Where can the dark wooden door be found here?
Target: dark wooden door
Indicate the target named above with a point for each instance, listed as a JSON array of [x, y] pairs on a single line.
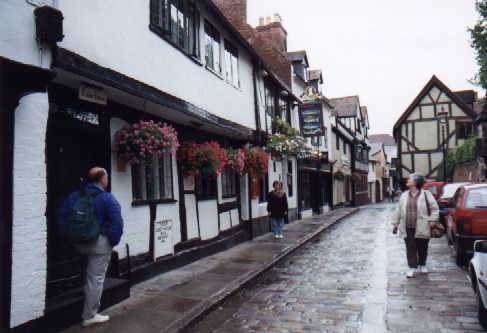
[[76, 141], [377, 191]]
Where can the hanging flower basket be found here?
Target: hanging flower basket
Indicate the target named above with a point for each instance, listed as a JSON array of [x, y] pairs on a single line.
[[279, 144], [236, 160], [206, 158], [256, 162], [136, 142], [339, 175]]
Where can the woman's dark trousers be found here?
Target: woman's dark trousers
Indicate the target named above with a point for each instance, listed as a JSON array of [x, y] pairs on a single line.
[[416, 249]]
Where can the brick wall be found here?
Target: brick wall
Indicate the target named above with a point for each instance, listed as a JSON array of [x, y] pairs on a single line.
[[29, 249], [467, 172]]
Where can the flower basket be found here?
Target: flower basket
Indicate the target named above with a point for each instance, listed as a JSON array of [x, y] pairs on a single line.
[[206, 158], [256, 162], [136, 142], [236, 160], [339, 175]]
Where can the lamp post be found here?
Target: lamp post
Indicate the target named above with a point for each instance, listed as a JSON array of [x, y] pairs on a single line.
[[443, 123]]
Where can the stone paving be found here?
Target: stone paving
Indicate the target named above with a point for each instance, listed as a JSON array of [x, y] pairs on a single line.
[[353, 280], [173, 300]]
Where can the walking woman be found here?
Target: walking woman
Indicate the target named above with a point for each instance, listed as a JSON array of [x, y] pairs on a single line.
[[277, 208], [416, 213]]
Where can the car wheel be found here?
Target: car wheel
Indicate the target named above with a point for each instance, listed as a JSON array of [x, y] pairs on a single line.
[[482, 310]]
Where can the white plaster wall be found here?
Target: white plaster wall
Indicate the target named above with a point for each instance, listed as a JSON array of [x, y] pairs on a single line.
[[208, 218], [29, 248], [116, 35], [444, 98], [435, 93], [428, 111], [137, 219], [421, 163], [18, 34], [457, 112], [191, 216], [426, 100], [225, 220], [425, 135], [234, 218], [414, 115]]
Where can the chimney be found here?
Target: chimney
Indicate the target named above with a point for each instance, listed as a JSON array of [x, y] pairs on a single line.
[[274, 33], [234, 10]]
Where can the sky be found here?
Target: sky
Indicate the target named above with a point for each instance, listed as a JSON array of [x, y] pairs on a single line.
[[385, 51]]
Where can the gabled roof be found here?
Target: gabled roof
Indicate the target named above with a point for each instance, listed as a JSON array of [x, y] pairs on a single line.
[[434, 81], [468, 96], [386, 139], [298, 56], [316, 74], [346, 106]]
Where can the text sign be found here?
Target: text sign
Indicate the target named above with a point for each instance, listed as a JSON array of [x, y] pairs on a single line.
[[92, 94], [163, 238], [310, 115]]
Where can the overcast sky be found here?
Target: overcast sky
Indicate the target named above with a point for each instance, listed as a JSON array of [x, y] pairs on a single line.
[[385, 51]]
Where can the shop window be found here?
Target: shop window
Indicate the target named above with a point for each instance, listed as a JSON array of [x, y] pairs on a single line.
[[206, 187], [464, 130], [212, 48], [229, 183], [290, 192], [152, 179], [231, 64], [177, 21], [264, 188]]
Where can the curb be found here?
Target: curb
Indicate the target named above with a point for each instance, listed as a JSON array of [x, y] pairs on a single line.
[[213, 302]]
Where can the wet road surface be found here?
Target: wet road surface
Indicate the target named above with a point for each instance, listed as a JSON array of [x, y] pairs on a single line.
[[352, 279]]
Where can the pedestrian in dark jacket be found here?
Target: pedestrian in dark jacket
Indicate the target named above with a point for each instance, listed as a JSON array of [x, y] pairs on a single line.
[[108, 213], [277, 208]]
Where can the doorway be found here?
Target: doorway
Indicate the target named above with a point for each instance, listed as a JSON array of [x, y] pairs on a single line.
[[77, 140]]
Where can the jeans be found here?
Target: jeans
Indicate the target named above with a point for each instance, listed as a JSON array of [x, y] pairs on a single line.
[[416, 249], [99, 255], [277, 223]]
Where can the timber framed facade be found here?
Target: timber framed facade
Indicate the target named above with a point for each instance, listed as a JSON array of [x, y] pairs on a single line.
[[419, 134]]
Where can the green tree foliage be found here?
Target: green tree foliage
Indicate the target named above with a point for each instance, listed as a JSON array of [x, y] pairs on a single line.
[[479, 42], [461, 154]]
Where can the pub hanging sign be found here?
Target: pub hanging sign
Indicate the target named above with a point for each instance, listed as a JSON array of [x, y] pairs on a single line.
[[310, 115]]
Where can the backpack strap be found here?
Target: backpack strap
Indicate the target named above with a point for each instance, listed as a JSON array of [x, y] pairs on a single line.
[[427, 204]]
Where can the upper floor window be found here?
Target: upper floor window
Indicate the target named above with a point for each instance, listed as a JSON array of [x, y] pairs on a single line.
[[231, 64], [206, 187], [212, 48], [270, 101], [464, 130], [177, 21]]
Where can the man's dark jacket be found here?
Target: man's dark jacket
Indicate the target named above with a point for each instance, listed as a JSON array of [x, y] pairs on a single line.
[[107, 210]]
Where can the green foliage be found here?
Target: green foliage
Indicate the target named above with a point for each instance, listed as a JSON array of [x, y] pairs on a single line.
[[479, 42], [282, 127], [461, 154]]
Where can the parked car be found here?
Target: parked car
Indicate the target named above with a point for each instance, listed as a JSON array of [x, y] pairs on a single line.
[[467, 220], [478, 277], [445, 198], [436, 188]]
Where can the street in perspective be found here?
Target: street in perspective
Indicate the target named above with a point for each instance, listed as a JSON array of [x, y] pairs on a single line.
[[220, 166]]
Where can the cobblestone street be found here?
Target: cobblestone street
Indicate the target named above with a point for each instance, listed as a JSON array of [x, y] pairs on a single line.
[[352, 279]]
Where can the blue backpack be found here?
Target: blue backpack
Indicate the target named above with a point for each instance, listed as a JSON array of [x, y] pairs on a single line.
[[81, 224]]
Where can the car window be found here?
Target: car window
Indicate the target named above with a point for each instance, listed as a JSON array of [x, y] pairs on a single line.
[[432, 189], [476, 198], [449, 189]]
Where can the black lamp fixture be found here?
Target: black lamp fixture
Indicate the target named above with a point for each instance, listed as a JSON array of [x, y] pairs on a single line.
[[49, 24]]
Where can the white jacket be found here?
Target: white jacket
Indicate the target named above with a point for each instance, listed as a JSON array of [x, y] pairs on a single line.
[[422, 223]]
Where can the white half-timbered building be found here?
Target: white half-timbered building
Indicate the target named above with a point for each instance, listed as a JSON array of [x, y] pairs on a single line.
[[420, 135]]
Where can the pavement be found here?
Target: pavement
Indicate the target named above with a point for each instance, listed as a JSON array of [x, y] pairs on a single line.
[[351, 279], [176, 299]]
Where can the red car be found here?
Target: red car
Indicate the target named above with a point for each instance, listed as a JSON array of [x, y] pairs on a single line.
[[467, 220], [435, 188]]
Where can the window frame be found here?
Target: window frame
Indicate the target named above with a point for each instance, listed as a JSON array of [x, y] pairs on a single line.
[[229, 174], [161, 183], [162, 24], [212, 34], [206, 182], [230, 66], [264, 188]]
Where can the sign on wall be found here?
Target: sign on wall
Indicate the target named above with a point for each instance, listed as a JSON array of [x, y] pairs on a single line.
[[310, 115], [163, 238], [92, 94]]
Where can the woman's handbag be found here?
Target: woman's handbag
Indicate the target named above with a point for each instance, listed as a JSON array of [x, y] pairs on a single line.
[[437, 230]]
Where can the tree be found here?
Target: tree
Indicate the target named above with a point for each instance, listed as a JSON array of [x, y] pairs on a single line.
[[479, 42]]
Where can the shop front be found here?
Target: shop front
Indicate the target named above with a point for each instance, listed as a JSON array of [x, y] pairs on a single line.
[[315, 187]]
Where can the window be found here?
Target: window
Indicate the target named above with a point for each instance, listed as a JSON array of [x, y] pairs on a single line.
[[229, 183], [231, 64], [284, 110], [177, 21], [476, 198], [338, 142], [206, 187], [290, 178], [464, 130], [212, 48], [270, 101], [152, 179], [264, 188]]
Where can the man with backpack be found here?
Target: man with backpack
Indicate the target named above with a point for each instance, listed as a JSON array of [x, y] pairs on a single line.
[[91, 219]]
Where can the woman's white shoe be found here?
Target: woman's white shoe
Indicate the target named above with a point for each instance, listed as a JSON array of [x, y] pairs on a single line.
[[410, 273]]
